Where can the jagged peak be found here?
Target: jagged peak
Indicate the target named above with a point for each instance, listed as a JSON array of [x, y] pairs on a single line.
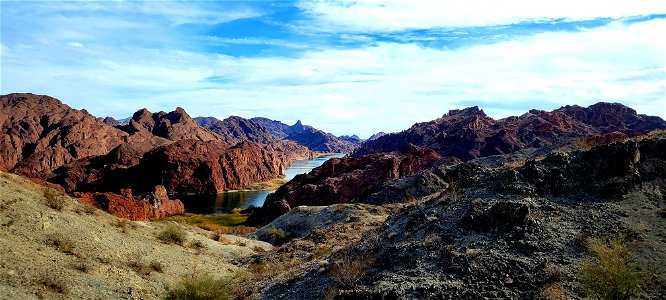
[[469, 111]]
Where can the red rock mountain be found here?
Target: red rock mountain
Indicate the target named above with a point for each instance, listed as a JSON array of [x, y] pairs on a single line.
[[175, 126], [39, 134], [314, 139], [469, 133]]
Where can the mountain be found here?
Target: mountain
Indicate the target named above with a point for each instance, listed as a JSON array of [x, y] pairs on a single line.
[[354, 139], [376, 136], [314, 139], [138, 163], [470, 133], [40, 133], [236, 129], [461, 135]]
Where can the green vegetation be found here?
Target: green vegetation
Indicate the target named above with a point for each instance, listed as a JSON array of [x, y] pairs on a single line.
[[221, 222], [173, 234], [268, 185], [54, 199], [201, 286], [277, 235], [609, 272]]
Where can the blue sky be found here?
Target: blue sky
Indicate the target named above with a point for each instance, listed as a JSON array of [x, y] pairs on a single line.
[[342, 66]]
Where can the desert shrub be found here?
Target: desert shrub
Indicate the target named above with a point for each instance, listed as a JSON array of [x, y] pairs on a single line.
[[61, 243], [277, 236], [141, 267], [54, 199], [609, 272], [86, 209], [82, 265], [124, 225], [200, 286], [54, 284], [553, 291], [198, 245], [348, 270], [173, 234]]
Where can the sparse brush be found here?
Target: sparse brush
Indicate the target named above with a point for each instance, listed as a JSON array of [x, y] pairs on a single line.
[[82, 265], [124, 225], [86, 209], [609, 272], [54, 199], [61, 243], [348, 270], [173, 234], [277, 235], [200, 286], [198, 245], [54, 284], [553, 291]]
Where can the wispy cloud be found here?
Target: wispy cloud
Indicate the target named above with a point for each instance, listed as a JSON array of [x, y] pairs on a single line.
[[400, 15]]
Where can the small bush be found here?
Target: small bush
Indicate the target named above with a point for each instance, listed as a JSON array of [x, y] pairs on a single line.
[[349, 270], [198, 245], [277, 236], [124, 225], [86, 209], [82, 266], [54, 284], [144, 268], [202, 286], [553, 291], [609, 272], [173, 234], [61, 243], [54, 199]]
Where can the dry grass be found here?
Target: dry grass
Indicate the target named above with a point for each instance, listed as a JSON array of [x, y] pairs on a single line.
[[124, 225], [85, 209], [348, 270], [61, 243], [200, 286], [54, 284], [144, 268], [553, 291]]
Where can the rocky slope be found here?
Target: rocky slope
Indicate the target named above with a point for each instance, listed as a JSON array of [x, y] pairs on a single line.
[[236, 129], [83, 253], [314, 139], [469, 133], [39, 134], [174, 126], [483, 232]]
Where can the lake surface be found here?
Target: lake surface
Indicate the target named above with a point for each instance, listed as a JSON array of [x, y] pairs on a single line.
[[227, 201]]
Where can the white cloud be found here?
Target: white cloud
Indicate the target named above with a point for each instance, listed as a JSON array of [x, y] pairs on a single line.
[[398, 15], [75, 44], [381, 87]]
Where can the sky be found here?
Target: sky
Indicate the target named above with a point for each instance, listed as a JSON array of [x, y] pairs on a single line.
[[346, 67]]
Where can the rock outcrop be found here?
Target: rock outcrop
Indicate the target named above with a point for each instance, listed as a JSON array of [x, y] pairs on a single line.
[[155, 204], [469, 133], [39, 134], [343, 180]]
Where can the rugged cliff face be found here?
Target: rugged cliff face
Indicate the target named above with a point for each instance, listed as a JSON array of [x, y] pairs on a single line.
[[174, 126], [39, 134], [469, 133], [342, 180]]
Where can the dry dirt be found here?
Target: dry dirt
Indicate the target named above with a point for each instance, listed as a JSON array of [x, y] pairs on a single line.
[[82, 253]]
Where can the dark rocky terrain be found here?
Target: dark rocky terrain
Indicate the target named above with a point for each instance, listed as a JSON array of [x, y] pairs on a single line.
[[308, 136], [484, 232], [354, 139], [377, 135]]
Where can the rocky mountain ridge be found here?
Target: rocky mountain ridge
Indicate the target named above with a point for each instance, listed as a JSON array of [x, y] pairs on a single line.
[[308, 136]]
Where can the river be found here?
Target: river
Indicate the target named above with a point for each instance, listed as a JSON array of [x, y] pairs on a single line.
[[225, 202]]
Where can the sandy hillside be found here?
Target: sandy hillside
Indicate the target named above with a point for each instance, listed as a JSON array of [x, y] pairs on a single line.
[[82, 253]]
